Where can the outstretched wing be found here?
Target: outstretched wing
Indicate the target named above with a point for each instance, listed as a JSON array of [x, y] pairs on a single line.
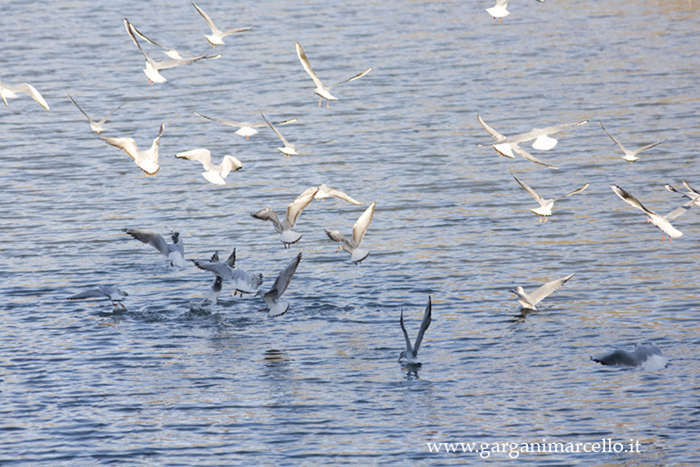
[[127, 25], [200, 155], [231, 261], [529, 156], [546, 290], [649, 146], [29, 89], [92, 293], [338, 194], [151, 238], [577, 190], [297, 206], [527, 188], [274, 129], [76, 104], [335, 235], [362, 224], [285, 277], [307, 66], [682, 209], [206, 18], [630, 199], [427, 319], [173, 63], [101, 122], [611, 137], [351, 79], [405, 334], [128, 145], [490, 130]]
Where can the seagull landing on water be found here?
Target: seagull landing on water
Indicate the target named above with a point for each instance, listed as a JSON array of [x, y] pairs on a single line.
[[352, 246], [145, 160], [546, 205], [214, 173], [630, 156], [94, 126], [411, 353], [529, 301], [216, 37], [289, 149], [113, 293], [284, 227], [246, 129], [243, 281], [172, 53], [322, 91], [175, 252], [272, 298], [506, 149], [662, 222], [152, 67], [10, 92], [648, 356]]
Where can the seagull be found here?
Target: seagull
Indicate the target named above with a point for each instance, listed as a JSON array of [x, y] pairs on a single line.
[[325, 192], [630, 156], [648, 356], [246, 129], [113, 293], [411, 353], [692, 193], [506, 149], [499, 11], [152, 68], [214, 173], [175, 252], [352, 246], [146, 160], [290, 149], [94, 126], [322, 91], [216, 37], [529, 301], [662, 222], [10, 92], [546, 205], [243, 281], [271, 298], [213, 294], [172, 53], [284, 228], [541, 136]]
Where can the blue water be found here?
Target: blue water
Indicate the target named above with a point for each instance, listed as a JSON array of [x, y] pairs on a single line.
[[161, 385]]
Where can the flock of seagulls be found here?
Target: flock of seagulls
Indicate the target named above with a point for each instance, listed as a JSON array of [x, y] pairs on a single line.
[[647, 355]]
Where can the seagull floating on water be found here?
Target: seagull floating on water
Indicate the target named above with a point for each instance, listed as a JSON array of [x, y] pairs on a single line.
[[529, 301], [216, 37], [325, 192], [10, 92], [322, 91], [411, 353], [214, 173], [506, 149], [94, 126], [153, 68], [272, 298], [172, 53], [246, 129], [146, 160], [352, 246], [546, 205], [648, 356], [630, 156], [662, 222], [284, 227], [114, 294], [243, 281], [290, 149], [175, 252]]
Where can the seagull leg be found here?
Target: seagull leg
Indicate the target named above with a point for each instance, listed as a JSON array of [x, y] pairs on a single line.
[[319, 101], [499, 20], [328, 104], [545, 219], [246, 137]]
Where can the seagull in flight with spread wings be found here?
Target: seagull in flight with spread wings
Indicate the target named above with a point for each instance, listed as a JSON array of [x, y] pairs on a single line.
[[10, 92], [529, 301], [352, 246], [289, 149], [630, 156], [114, 294], [216, 37], [95, 126], [214, 173], [284, 227], [175, 252], [246, 129], [546, 205], [506, 149], [411, 353], [272, 298], [145, 160]]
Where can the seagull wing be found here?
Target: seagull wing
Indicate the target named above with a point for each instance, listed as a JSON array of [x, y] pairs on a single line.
[[340, 195], [216, 268], [409, 349], [490, 130], [550, 130], [136, 31], [351, 79], [546, 290], [316, 144], [427, 319], [268, 214], [235, 31], [682, 209], [128, 145], [685, 184], [151, 238], [92, 293], [285, 277], [611, 137], [630, 199], [76, 104], [362, 224], [201, 155], [225, 122], [532, 192], [649, 146], [336, 236], [29, 89], [173, 63], [297, 206], [231, 261], [206, 18], [101, 122], [307, 66], [529, 156], [274, 129], [127, 25], [577, 190]]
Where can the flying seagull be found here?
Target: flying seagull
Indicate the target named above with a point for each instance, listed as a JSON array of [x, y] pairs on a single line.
[[284, 227], [352, 246], [546, 205], [243, 281], [290, 149], [214, 173], [529, 301], [172, 53], [630, 156], [246, 129], [506, 149], [94, 126], [175, 252], [499, 10], [322, 91], [217, 36], [411, 353], [647, 356], [272, 298], [692, 193], [113, 293], [10, 92], [146, 160]]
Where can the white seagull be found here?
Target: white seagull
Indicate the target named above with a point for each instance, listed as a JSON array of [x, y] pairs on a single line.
[[543, 142], [546, 205], [216, 37], [146, 160], [243, 281], [325, 192], [94, 126], [284, 228], [290, 149], [506, 149], [246, 129], [662, 222], [152, 67], [272, 298], [175, 252], [411, 353], [322, 91], [692, 193], [647, 356], [352, 246], [499, 10], [172, 53], [529, 301], [113, 293], [10, 92], [214, 173], [630, 156]]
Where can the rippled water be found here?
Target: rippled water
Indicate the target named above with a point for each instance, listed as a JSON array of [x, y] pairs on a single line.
[[159, 385]]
